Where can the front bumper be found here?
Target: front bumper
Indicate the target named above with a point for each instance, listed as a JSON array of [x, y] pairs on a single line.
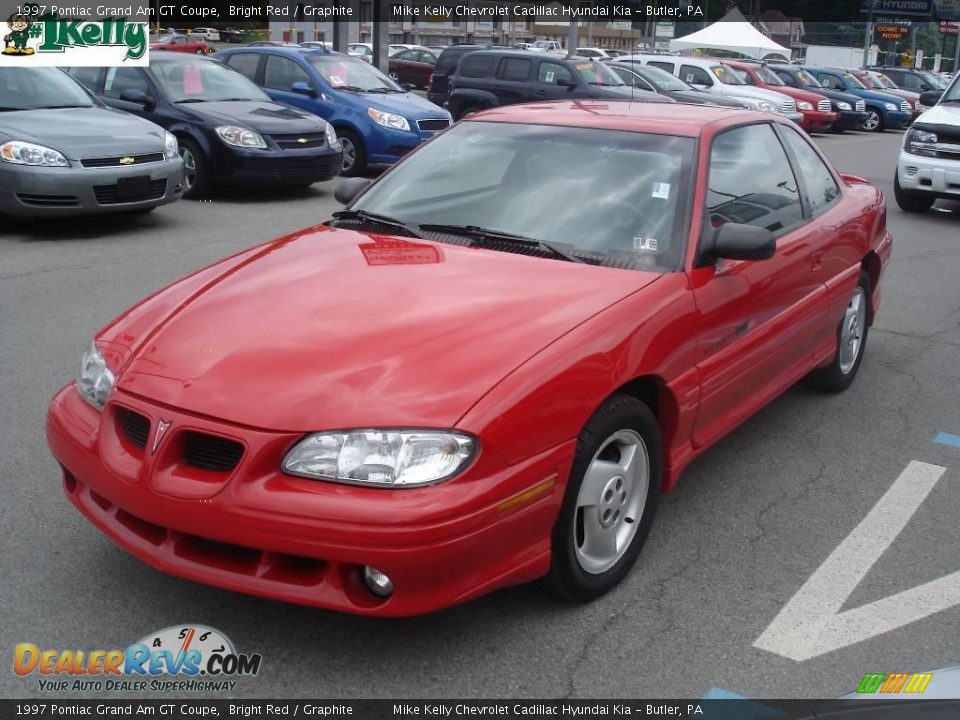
[[238, 166], [795, 116], [939, 176], [388, 146], [850, 120], [27, 191], [897, 120], [814, 120], [258, 531]]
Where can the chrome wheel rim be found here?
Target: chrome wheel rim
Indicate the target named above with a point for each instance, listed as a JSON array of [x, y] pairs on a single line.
[[611, 501], [872, 121], [394, 77], [851, 330], [349, 153], [189, 169]]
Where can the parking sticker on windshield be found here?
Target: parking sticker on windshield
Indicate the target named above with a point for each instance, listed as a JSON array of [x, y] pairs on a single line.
[[336, 80], [661, 190], [550, 76], [645, 244]]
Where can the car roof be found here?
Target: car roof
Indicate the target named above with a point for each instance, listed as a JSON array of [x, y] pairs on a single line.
[[171, 55], [684, 119]]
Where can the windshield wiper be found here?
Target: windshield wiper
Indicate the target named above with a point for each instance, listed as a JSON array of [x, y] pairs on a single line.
[[950, 100], [190, 100], [384, 90], [486, 234], [607, 84], [59, 107], [409, 228], [233, 100], [14, 109], [350, 88]]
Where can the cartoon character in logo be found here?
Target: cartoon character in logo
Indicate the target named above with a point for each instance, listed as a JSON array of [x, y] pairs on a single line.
[[16, 40]]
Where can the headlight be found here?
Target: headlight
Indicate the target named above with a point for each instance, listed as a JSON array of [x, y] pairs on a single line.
[[96, 379], [891, 107], [920, 142], [768, 106], [389, 120], [384, 458], [803, 105], [332, 139], [240, 137], [172, 147], [844, 105], [25, 153]]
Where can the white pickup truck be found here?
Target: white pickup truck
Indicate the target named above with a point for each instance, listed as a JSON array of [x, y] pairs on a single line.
[[929, 164]]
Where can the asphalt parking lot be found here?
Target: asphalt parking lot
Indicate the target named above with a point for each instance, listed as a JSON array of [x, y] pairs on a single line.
[[750, 522]]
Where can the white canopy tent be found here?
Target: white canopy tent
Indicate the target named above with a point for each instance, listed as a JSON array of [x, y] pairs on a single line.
[[733, 33]]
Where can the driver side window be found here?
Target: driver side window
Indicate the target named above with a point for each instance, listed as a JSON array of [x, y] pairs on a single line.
[[281, 73], [554, 74], [693, 75]]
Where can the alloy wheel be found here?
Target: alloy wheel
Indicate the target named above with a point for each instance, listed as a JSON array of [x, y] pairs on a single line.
[[851, 331]]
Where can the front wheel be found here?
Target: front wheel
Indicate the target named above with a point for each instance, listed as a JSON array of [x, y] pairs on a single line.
[[851, 341], [610, 500], [874, 121], [354, 157], [911, 202], [195, 178]]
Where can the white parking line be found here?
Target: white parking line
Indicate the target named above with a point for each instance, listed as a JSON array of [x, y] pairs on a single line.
[[811, 623]]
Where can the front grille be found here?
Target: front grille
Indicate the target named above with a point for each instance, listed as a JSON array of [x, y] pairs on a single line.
[[135, 426], [823, 106], [861, 106], [301, 140], [440, 124], [118, 161], [788, 106], [905, 106], [209, 452], [48, 200], [107, 194]]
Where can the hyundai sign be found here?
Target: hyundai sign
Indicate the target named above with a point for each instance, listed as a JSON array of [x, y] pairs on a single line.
[[898, 8]]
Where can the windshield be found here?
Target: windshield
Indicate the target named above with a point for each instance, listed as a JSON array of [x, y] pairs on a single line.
[[661, 79], [808, 79], [953, 94], [726, 75], [618, 198], [884, 81], [349, 73], [597, 73], [196, 80], [23, 88], [163, 38], [769, 76], [935, 80], [869, 81], [852, 81]]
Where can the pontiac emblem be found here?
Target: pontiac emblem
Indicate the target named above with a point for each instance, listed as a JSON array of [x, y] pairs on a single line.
[[127, 160], [162, 428]]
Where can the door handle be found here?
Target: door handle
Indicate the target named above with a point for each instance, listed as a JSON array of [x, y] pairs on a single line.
[[816, 261]]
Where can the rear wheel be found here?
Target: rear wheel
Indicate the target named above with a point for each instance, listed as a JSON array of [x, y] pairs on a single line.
[[354, 157], [911, 202], [610, 500], [851, 341]]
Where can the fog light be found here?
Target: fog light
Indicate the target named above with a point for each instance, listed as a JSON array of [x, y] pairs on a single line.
[[376, 582]]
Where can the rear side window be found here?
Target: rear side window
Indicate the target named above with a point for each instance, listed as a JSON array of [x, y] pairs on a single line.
[[693, 75], [245, 64], [515, 69], [475, 66], [663, 66]]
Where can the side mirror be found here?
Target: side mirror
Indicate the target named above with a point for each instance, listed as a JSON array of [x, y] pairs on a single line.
[[350, 189], [736, 241], [303, 88], [568, 84], [139, 97], [930, 97]]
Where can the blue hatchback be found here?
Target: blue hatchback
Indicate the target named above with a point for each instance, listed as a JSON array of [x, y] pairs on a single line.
[[377, 120], [883, 111]]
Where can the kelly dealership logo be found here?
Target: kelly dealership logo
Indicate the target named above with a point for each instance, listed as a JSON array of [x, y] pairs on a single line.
[[176, 659], [33, 36]]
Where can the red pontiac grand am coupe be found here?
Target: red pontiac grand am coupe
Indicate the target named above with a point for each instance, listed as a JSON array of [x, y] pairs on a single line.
[[487, 369]]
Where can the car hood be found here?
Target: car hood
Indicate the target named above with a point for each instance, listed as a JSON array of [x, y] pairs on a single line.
[[801, 95], [876, 96], [837, 95], [84, 132], [335, 329], [755, 92], [626, 93], [261, 115], [702, 98], [941, 115], [409, 105]]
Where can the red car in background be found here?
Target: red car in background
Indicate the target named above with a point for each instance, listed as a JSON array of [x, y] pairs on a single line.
[[181, 43], [878, 81], [815, 108], [413, 66], [458, 385]]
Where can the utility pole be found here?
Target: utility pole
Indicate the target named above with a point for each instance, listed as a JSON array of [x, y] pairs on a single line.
[[573, 38], [956, 53], [868, 33]]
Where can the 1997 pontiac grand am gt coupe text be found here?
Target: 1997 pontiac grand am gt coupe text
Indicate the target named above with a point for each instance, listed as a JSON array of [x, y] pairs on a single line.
[[485, 370]]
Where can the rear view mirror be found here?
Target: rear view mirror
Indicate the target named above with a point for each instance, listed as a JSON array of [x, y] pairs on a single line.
[[930, 97], [350, 189], [737, 241], [137, 96], [303, 88]]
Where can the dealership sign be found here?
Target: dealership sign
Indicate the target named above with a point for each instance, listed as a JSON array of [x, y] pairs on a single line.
[[898, 8], [31, 40]]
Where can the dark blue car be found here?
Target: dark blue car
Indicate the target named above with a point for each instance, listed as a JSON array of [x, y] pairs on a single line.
[[376, 120], [883, 111]]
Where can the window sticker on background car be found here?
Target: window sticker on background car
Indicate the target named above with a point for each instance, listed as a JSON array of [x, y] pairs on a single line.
[[192, 82], [550, 76], [661, 190], [645, 244], [336, 80], [689, 78]]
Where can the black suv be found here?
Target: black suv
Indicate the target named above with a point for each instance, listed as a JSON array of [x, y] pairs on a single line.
[[492, 78], [909, 79], [439, 88]]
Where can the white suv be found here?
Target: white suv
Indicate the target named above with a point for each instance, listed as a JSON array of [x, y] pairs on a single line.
[[929, 164], [715, 77]]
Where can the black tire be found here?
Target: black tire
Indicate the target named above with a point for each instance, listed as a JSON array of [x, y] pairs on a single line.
[[835, 377], [348, 138], [911, 202], [196, 180], [567, 577]]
